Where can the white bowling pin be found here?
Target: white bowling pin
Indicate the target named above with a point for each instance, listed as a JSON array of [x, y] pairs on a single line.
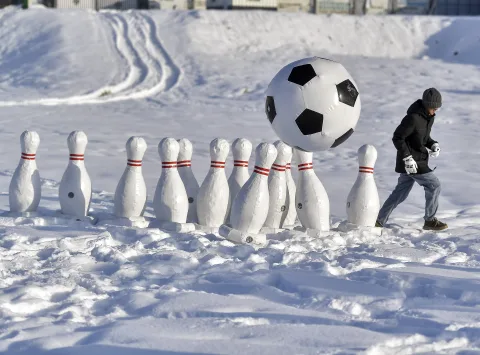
[[131, 192], [291, 217], [213, 200], [25, 187], [184, 166], [363, 203], [75, 191], [241, 151], [311, 199], [170, 201], [277, 187], [250, 206]]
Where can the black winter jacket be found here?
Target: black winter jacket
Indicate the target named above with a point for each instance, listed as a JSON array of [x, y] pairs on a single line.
[[412, 137]]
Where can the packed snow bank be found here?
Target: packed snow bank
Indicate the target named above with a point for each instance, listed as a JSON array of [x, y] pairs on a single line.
[[82, 36], [371, 36]]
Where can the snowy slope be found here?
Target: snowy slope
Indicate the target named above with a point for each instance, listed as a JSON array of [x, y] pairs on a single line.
[[69, 288]]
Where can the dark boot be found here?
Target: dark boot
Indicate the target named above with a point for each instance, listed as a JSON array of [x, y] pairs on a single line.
[[378, 224], [435, 225]]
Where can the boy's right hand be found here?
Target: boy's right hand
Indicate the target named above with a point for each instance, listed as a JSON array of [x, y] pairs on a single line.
[[410, 165]]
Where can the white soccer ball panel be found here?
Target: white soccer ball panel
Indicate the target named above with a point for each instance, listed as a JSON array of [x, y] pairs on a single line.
[[315, 142], [288, 101], [328, 69]]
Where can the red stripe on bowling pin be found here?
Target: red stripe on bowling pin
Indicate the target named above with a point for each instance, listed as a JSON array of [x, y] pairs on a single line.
[[366, 169], [77, 157], [261, 171], [169, 164], [288, 167], [278, 167], [184, 163], [131, 162], [243, 163], [217, 164], [26, 156], [305, 166]]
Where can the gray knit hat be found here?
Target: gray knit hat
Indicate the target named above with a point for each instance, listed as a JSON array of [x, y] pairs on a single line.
[[432, 98]]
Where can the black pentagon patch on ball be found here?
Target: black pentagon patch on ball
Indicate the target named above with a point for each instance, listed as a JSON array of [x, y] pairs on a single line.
[[302, 74], [270, 108], [310, 122], [347, 93], [342, 138]]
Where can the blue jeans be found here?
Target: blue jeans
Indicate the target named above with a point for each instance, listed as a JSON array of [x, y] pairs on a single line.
[[430, 183]]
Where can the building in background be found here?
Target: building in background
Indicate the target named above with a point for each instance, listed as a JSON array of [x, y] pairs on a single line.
[[197, 4], [294, 5], [333, 6], [357, 7], [5, 3], [456, 7], [169, 4], [97, 4], [243, 4]]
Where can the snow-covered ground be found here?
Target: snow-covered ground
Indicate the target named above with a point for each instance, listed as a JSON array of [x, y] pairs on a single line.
[[71, 288]]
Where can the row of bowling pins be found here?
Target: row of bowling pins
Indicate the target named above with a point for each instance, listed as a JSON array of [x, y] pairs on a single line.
[[176, 192], [178, 196]]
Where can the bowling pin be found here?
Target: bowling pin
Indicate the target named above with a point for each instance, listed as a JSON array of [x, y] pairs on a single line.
[[131, 192], [25, 187], [170, 201], [291, 210], [213, 200], [236, 236], [75, 191], [311, 199], [241, 151], [277, 187], [250, 206], [184, 166], [363, 203]]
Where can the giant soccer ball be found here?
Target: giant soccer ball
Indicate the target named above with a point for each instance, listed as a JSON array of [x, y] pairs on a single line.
[[313, 104]]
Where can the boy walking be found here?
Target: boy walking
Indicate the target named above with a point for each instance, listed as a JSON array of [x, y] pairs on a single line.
[[414, 146]]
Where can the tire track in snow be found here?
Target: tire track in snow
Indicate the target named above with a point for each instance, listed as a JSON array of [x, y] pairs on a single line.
[[151, 70], [126, 49], [159, 61], [173, 75]]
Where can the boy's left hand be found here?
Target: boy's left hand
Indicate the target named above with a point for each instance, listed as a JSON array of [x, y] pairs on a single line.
[[435, 151]]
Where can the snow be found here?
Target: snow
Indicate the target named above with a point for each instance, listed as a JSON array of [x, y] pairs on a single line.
[[72, 287]]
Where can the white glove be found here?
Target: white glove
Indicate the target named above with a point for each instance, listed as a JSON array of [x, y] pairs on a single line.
[[435, 151], [410, 165]]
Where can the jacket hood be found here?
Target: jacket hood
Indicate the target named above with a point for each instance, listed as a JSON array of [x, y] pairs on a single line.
[[418, 108]]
